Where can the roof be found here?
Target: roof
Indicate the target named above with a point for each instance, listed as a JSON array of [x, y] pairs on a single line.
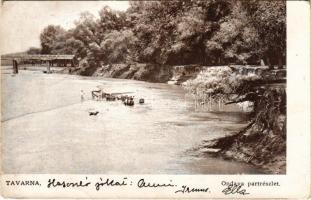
[[41, 57]]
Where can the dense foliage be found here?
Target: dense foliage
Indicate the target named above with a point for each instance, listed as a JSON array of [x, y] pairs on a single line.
[[212, 32], [220, 82]]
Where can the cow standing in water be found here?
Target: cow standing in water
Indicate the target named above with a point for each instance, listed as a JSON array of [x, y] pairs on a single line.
[[15, 67]]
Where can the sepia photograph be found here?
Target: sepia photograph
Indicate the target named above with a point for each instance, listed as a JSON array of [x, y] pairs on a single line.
[[196, 87]]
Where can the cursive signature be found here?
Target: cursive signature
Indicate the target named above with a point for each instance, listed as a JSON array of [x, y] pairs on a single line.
[[145, 184], [186, 189], [234, 189]]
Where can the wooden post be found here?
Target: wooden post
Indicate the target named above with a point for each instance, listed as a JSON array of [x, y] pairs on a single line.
[[15, 67]]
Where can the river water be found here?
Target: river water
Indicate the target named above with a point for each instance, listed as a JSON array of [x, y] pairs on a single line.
[[47, 129]]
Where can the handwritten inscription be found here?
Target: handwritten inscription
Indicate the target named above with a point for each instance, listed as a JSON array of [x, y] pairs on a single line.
[[186, 189], [110, 182], [234, 188], [144, 184], [65, 184]]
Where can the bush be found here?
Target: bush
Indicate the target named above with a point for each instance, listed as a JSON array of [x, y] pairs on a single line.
[[217, 82]]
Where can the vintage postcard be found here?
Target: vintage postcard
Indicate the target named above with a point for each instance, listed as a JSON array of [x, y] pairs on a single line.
[[155, 99]]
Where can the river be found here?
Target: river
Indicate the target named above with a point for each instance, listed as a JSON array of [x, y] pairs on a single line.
[[47, 129]]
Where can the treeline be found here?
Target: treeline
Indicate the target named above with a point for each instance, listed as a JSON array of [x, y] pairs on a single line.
[[213, 32]]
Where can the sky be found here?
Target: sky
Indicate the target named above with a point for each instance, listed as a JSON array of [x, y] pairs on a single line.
[[21, 22]]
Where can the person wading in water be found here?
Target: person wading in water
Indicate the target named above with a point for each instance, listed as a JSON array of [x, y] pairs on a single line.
[[82, 95]]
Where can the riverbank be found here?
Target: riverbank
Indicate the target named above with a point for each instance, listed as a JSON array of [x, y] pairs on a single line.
[[263, 142], [149, 72]]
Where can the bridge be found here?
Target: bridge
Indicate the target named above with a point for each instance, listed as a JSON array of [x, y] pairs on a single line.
[[40, 59]]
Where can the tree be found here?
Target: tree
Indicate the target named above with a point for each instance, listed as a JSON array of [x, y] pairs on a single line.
[[269, 19], [213, 32], [117, 46], [49, 36], [236, 40]]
